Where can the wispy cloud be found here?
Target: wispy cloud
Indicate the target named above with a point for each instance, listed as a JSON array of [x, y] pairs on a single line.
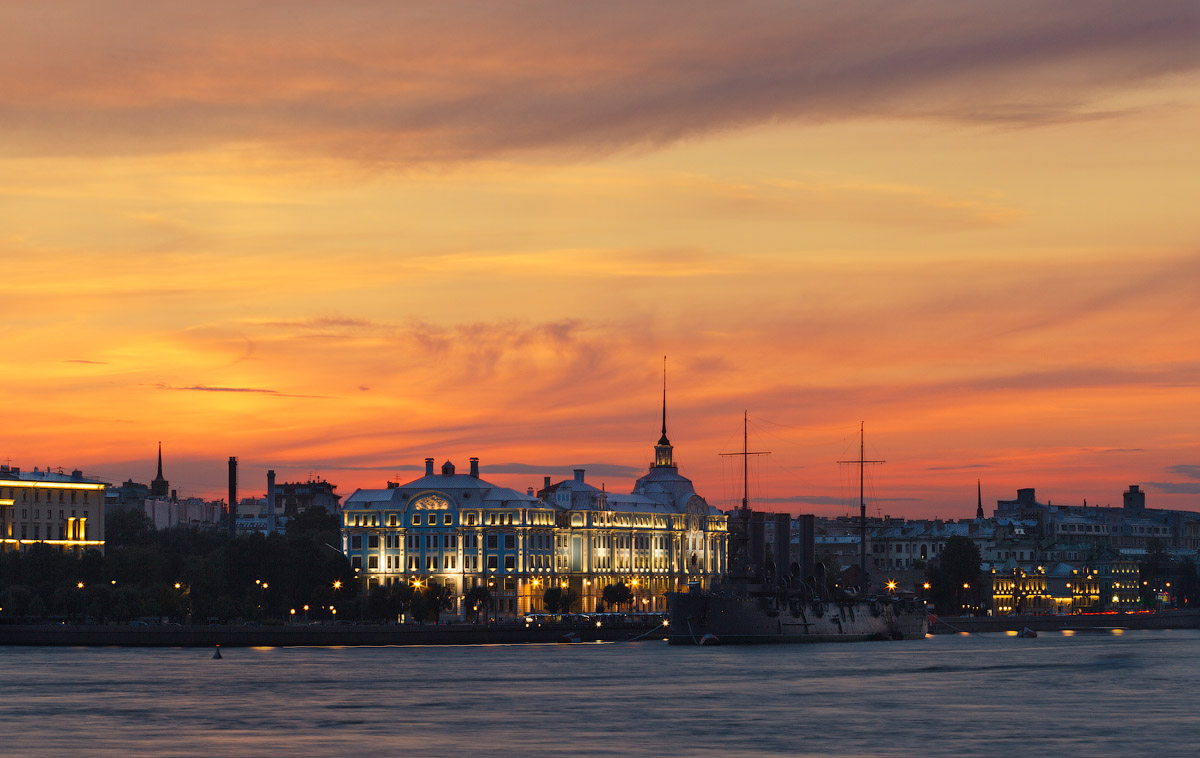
[[1190, 470], [250, 390], [468, 80], [1176, 488], [592, 470]]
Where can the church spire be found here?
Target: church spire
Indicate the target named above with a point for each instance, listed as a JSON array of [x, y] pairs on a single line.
[[979, 507], [663, 452], [158, 487]]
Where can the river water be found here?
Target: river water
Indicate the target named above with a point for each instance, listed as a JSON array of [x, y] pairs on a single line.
[[1090, 694]]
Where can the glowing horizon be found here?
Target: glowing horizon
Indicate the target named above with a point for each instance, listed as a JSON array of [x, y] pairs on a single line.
[[339, 243]]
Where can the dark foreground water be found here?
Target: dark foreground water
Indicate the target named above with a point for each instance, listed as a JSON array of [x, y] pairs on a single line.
[[1093, 694]]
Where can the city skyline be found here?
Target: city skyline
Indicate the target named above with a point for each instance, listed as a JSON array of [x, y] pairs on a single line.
[[339, 243]]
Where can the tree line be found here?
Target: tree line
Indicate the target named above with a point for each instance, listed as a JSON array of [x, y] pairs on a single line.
[[185, 574]]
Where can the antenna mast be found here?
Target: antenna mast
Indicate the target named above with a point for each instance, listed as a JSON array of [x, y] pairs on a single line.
[[862, 502]]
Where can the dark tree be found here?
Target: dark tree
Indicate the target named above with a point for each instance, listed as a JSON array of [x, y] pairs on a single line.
[[477, 601], [1154, 572], [559, 599], [954, 576], [616, 594], [125, 528], [438, 598]]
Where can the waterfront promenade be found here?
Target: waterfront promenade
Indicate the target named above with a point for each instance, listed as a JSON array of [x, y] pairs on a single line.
[[1171, 619], [78, 635]]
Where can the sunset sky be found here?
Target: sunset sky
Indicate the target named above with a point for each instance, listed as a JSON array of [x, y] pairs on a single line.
[[338, 238]]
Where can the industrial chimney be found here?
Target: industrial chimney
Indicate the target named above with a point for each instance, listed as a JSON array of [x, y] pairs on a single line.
[[232, 496], [271, 501]]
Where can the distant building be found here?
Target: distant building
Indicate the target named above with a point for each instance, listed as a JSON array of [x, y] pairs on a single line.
[[62, 510], [162, 505], [293, 498]]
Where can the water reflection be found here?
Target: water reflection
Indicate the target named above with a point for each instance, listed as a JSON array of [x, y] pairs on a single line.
[[980, 694]]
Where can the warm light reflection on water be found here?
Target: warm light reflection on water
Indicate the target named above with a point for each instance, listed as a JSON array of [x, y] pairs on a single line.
[[953, 695]]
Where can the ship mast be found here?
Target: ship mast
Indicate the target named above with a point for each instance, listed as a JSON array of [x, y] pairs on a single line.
[[862, 503], [745, 455]]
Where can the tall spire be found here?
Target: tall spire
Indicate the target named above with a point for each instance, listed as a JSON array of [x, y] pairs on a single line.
[[159, 487], [663, 452], [979, 508], [664, 440]]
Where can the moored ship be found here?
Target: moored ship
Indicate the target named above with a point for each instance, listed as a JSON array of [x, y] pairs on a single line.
[[729, 617], [767, 597]]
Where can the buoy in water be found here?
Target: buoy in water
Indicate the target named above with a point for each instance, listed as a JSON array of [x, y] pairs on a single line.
[[217, 653]]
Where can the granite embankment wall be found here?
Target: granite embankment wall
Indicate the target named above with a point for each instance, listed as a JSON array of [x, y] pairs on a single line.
[[307, 635], [1189, 619]]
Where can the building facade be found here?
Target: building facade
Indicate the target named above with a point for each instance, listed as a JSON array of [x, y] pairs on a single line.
[[65, 511], [460, 531]]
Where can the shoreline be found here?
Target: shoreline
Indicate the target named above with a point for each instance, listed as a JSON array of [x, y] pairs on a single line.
[[1172, 619], [314, 635]]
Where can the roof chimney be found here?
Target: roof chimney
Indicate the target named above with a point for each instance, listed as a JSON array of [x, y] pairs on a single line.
[[475, 467], [428, 467], [579, 475], [529, 492], [546, 483]]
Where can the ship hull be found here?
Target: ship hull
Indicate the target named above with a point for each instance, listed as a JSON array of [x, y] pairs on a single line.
[[707, 618]]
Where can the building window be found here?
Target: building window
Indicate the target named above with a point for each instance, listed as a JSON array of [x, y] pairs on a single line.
[[510, 541], [492, 562], [431, 542], [373, 543], [356, 542], [451, 541], [356, 562], [416, 519], [491, 542], [510, 562], [447, 520], [373, 562]]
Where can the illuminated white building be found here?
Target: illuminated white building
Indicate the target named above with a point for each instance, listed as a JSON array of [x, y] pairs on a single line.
[[454, 529], [63, 510], [461, 531]]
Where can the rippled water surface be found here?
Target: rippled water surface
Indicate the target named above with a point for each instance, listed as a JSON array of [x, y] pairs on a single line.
[[1095, 694]]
